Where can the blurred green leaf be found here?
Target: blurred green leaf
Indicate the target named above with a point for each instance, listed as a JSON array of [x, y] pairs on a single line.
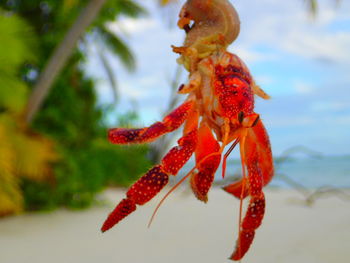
[[130, 8], [118, 47], [18, 46], [70, 115]]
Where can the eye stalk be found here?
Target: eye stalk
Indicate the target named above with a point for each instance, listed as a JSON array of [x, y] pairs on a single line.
[[240, 117]]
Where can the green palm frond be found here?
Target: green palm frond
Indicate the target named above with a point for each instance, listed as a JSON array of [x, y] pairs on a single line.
[[118, 47], [131, 9], [111, 76]]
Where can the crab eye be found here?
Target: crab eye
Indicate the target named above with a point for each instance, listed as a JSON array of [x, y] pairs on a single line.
[[240, 116], [256, 121]]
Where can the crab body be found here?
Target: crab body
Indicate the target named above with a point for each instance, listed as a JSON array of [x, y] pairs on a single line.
[[225, 93], [218, 112]]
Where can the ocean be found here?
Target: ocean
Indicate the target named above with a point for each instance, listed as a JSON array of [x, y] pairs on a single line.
[[318, 172], [304, 172]]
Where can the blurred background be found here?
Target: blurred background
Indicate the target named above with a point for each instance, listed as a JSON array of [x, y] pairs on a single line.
[[71, 69]]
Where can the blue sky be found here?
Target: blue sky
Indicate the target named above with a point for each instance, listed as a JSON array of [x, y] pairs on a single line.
[[303, 63]]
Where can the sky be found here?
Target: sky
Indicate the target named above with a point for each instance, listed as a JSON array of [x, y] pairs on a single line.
[[303, 63]]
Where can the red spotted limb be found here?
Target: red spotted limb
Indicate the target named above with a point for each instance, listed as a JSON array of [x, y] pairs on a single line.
[[259, 141], [220, 100], [148, 134], [207, 161], [258, 162], [150, 184]]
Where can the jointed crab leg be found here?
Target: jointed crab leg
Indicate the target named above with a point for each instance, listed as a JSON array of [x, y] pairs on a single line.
[[208, 157], [207, 161], [170, 123], [259, 165], [154, 180], [255, 211], [259, 141], [221, 98], [157, 177]]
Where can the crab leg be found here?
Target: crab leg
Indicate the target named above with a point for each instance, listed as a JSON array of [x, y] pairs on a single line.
[[258, 139], [259, 168], [255, 211], [157, 177], [154, 180], [208, 157], [148, 134]]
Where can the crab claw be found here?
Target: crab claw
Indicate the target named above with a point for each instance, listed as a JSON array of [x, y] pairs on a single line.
[[207, 162]]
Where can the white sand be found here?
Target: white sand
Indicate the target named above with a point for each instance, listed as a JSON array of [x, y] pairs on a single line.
[[185, 230]]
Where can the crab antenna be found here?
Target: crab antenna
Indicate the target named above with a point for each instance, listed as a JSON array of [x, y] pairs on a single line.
[[243, 162], [168, 193], [226, 156]]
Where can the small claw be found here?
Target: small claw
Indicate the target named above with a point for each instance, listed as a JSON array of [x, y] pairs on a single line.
[[244, 241], [208, 158], [203, 179], [139, 193], [123, 209], [252, 221], [236, 189]]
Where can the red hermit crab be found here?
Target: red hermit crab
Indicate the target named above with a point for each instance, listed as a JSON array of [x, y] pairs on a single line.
[[218, 111]]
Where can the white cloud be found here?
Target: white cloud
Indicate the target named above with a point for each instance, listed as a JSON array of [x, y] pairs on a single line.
[[132, 25], [328, 47], [250, 56], [329, 106], [264, 80], [129, 90], [287, 26], [303, 87]]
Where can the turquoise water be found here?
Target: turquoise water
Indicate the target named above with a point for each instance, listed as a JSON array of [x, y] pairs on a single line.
[[309, 172], [315, 172]]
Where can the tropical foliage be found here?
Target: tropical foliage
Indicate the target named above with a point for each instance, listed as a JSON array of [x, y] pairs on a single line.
[[23, 153], [63, 158]]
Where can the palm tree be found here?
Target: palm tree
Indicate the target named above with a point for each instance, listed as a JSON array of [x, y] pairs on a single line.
[[65, 48]]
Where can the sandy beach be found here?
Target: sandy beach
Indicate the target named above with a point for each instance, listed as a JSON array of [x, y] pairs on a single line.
[[185, 230]]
